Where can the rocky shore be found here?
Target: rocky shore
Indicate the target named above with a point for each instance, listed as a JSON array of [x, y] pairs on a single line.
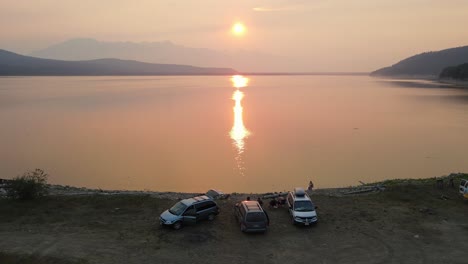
[[65, 190]]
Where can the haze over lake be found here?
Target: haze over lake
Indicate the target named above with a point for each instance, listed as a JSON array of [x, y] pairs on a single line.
[[271, 133]]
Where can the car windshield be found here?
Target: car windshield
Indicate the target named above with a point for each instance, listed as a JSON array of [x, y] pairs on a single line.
[[303, 206], [255, 217], [178, 208]]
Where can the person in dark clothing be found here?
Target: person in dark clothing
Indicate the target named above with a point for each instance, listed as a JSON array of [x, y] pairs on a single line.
[[259, 200], [311, 186], [274, 203], [281, 201]]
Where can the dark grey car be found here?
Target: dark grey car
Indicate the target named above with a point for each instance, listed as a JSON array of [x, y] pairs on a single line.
[[251, 217], [189, 211]]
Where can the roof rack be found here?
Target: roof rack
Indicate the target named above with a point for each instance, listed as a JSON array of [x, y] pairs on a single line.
[[201, 198], [252, 205], [299, 192]]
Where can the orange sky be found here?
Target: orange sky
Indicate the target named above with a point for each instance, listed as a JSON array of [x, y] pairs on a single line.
[[328, 35]]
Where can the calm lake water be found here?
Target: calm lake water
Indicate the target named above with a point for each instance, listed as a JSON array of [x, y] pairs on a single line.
[[264, 133]]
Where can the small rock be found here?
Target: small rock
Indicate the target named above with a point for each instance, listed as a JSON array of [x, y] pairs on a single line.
[[416, 236], [443, 197], [428, 211]]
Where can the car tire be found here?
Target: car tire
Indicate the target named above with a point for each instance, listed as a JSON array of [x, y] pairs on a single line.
[[211, 217], [293, 222], [177, 225], [242, 228]]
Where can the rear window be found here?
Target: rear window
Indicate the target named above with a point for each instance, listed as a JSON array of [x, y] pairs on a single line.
[[255, 217]]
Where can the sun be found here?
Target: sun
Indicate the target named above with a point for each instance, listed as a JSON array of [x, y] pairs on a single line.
[[238, 29]]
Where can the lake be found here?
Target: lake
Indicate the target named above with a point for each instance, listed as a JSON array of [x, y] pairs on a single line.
[[244, 134]]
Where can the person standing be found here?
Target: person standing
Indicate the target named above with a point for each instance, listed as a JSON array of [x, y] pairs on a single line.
[[311, 186], [259, 200]]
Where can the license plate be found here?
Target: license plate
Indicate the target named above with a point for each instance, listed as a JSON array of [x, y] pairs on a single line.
[[307, 223]]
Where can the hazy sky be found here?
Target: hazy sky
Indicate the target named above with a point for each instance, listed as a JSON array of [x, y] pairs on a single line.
[[339, 35]]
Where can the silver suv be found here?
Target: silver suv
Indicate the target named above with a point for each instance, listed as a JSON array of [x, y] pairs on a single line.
[[190, 211], [301, 208]]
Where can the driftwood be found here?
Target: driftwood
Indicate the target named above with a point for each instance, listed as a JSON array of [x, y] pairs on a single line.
[[366, 188], [274, 195], [361, 190]]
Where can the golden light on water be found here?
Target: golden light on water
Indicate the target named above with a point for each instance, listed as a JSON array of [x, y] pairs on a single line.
[[239, 81], [239, 132]]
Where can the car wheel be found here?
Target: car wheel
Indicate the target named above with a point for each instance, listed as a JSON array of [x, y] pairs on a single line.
[[211, 217], [242, 228], [177, 225], [293, 222]]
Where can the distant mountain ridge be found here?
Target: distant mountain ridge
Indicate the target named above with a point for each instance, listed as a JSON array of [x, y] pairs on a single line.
[[428, 64], [165, 52], [12, 64]]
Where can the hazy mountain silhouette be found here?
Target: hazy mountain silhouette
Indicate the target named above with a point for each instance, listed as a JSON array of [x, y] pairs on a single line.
[[165, 52], [428, 64], [15, 64]]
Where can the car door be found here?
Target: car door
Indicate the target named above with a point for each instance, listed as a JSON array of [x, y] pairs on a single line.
[[237, 213], [202, 210], [190, 215]]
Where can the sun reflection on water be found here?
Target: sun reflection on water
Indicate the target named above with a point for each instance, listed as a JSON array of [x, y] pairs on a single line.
[[239, 132], [239, 81]]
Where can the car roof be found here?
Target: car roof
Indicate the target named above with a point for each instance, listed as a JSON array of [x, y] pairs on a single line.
[[300, 195], [196, 199], [252, 206]]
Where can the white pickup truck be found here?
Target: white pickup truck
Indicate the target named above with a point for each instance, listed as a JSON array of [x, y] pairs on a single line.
[[464, 188]]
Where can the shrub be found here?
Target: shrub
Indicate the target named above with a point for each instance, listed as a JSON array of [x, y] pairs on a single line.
[[30, 185]]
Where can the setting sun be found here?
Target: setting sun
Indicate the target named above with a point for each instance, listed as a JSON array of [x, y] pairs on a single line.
[[238, 29]]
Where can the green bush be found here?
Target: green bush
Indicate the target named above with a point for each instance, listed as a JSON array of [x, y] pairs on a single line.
[[28, 186]]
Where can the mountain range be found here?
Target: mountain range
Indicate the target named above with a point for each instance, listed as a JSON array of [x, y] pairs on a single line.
[[166, 52], [428, 64], [12, 64]]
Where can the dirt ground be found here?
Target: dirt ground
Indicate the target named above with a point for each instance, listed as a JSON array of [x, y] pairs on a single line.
[[404, 224]]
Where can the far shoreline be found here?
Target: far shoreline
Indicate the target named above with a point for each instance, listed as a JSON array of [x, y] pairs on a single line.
[[206, 74]]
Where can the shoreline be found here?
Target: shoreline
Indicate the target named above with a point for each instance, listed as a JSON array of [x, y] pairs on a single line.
[[364, 188], [448, 83], [457, 83]]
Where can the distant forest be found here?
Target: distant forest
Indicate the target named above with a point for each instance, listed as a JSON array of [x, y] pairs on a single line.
[[459, 72]]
